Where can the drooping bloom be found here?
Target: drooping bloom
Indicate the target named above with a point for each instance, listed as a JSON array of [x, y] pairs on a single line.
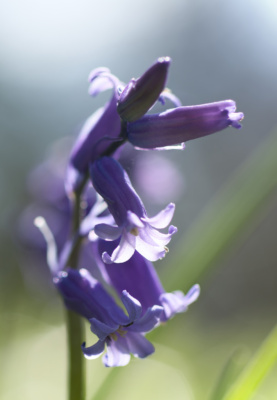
[[121, 334], [138, 276], [140, 94], [136, 229], [181, 124]]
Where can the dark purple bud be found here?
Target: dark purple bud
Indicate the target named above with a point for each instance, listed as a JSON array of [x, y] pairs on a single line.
[[181, 124], [140, 94]]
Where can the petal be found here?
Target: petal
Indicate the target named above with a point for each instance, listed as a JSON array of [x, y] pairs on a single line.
[[123, 252], [167, 94], [150, 319], [163, 218], [132, 305], [93, 351], [100, 329], [177, 302], [107, 232], [101, 79], [89, 223], [118, 354], [149, 251], [156, 238], [235, 118], [134, 219], [193, 294], [96, 72], [139, 346], [172, 304], [99, 85]]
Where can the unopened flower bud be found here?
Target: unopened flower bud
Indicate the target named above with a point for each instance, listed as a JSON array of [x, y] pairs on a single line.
[[140, 94]]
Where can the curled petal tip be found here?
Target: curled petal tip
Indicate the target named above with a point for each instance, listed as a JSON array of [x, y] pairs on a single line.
[[235, 119], [172, 229], [106, 258]]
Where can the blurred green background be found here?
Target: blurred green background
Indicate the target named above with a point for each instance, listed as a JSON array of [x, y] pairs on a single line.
[[227, 213]]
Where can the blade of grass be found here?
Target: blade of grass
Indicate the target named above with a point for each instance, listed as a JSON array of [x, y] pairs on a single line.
[[256, 370], [230, 212], [107, 385], [229, 373]]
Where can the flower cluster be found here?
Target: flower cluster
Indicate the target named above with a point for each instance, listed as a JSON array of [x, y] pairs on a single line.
[[111, 232]]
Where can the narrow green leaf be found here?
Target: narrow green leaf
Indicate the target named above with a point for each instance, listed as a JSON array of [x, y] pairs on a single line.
[[229, 213], [260, 365], [229, 373], [107, 384]]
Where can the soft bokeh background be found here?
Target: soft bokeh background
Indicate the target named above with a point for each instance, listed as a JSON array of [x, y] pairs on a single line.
[[219, 50]]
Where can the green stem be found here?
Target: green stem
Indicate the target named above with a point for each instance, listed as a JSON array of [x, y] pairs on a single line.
[[257, 369], [76, 366], [74, 323]]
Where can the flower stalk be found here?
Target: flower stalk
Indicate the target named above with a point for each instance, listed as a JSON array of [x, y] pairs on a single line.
[[74, 323], [76, 366]]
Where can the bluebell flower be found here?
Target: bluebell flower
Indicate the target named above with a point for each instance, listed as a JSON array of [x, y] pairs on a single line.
[[181, 124], [140, 94], [136, 230], [121, 334], [139, 277]]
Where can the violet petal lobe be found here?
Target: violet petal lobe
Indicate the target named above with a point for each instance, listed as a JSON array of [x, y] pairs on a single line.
[[123, 252], [93, 351], [139, 345], [149, 321], [177, 302], [101, 329], [118, 353], [132, 305]]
